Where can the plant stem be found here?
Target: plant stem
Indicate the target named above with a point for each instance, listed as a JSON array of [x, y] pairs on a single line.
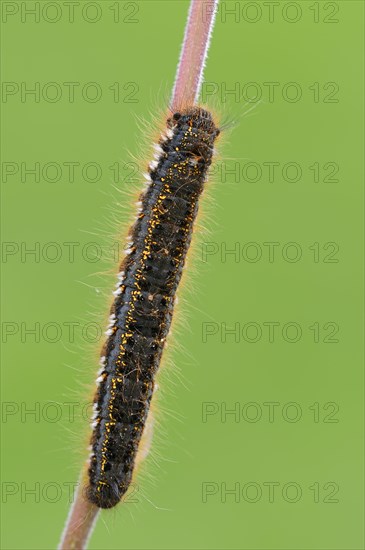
[[83, 514], [189, 76], [80, 522]]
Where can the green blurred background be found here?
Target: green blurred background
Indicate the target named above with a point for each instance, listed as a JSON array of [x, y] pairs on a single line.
[[285, 470]]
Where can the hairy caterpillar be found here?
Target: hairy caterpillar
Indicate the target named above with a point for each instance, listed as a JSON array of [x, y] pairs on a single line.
[[144, 300]]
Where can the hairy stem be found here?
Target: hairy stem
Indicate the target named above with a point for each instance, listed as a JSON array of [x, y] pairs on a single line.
[[189, 76]]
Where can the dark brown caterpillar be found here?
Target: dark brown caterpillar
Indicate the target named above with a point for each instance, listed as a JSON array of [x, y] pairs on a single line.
[[142, 311]]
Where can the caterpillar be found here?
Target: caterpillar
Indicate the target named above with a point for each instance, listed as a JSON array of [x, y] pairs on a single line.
[[142, 310]]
